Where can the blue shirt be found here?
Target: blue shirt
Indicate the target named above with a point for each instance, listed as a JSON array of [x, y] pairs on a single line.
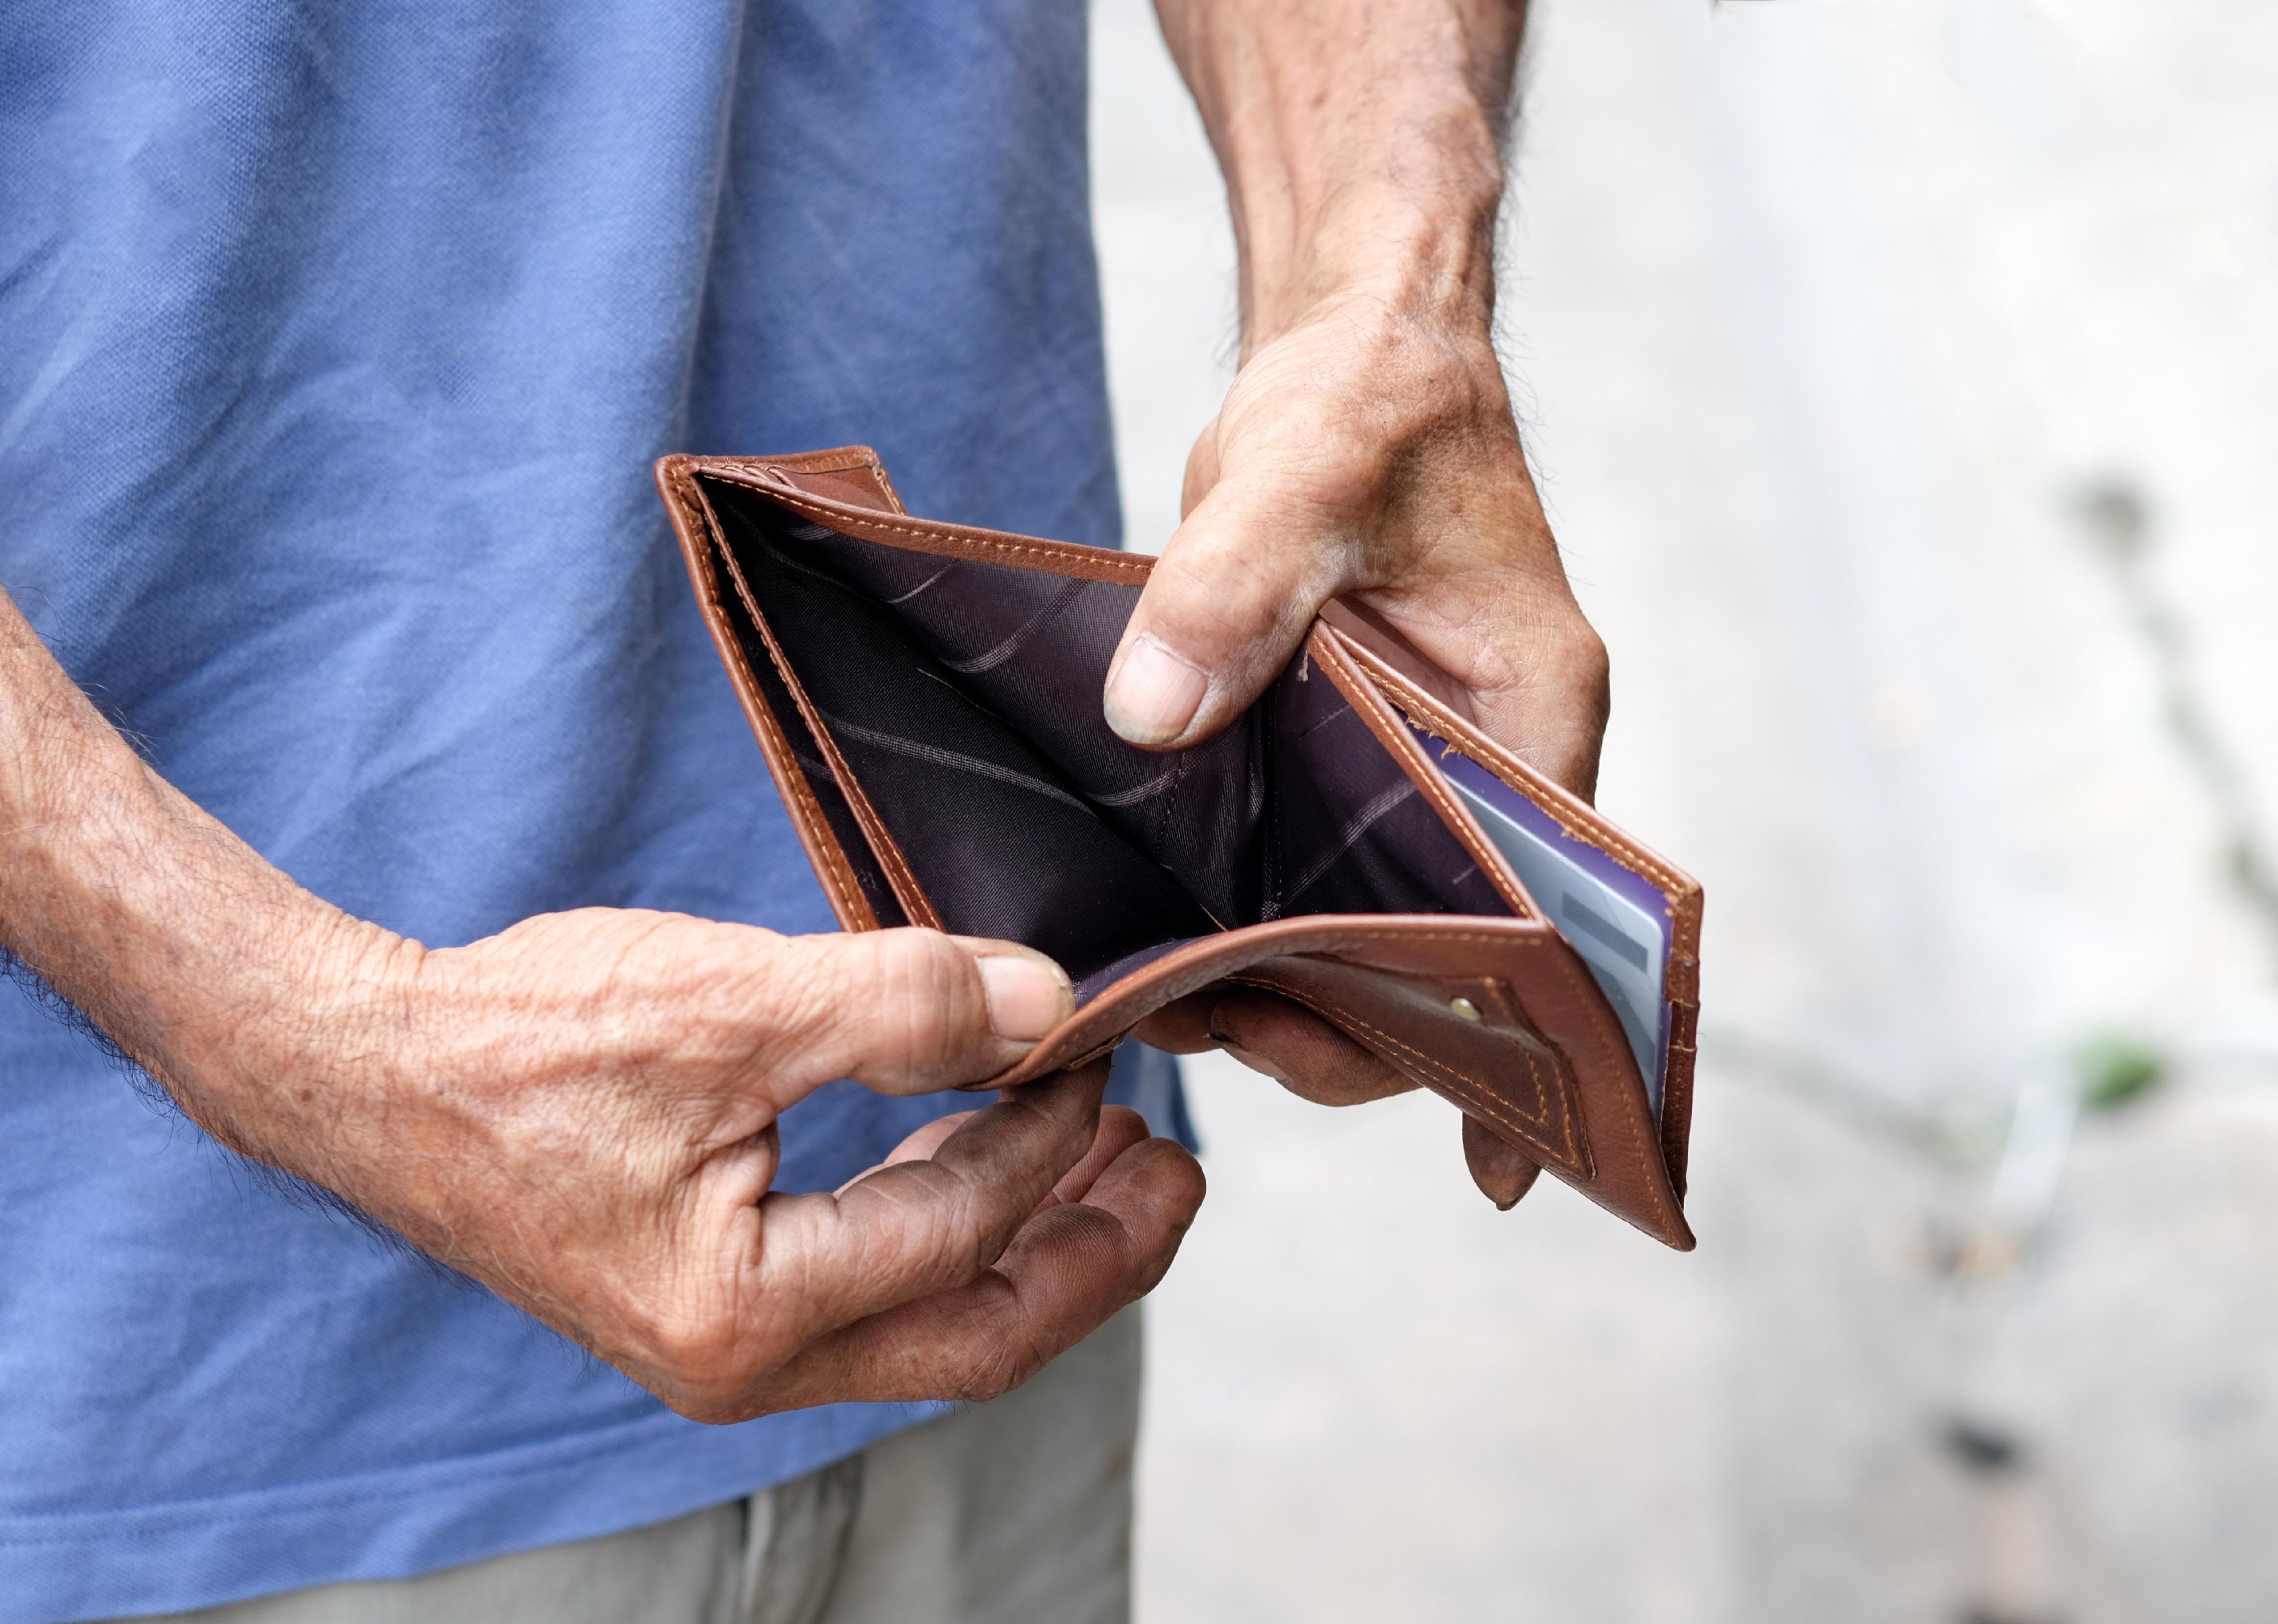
[[335, 344]]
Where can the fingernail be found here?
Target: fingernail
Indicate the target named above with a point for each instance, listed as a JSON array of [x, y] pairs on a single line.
[[1027, 997], [1151, 693]]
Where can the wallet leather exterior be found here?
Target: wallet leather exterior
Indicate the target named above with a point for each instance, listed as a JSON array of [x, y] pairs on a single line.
[[1545, 1067]]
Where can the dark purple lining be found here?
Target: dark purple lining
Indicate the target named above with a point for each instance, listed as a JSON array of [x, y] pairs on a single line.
[[965, 696]]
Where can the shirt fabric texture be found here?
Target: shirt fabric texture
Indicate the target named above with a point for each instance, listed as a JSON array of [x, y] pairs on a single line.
[[335, 345]]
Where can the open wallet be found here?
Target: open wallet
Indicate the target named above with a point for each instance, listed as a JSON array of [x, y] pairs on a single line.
[[927, 696]]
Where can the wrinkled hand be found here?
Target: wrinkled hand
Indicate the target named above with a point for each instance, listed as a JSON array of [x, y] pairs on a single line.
[[581, 1112], [1369, 450]]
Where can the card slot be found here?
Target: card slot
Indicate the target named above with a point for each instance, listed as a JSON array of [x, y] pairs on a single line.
[[1350, 834], [856, 862]]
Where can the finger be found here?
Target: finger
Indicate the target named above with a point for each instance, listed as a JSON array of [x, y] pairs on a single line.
[[1551, 709], [1065, 1272], [1224, 608], [1182, 1026], [920, 1146], [1119, 1128], [1503, 1173], [914, 1228], [1299, 1050], [1202, 469], [910, 1012]]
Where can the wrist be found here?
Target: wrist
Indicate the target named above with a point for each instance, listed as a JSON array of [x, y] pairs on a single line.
[[304, 1050], [1416, 237], [283, 1033], [1418, 264]]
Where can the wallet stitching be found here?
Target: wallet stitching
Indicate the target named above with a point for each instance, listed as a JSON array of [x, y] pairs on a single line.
[[1479, 1095], [1101, 556], [1452, 727], [906, 891], [1675, 1074], [1479, 1092], [1459, 733], [837, 878], [904, 886], [1171, 797], [1566, 970], [1459, 822], [915, 904], [840, 875]]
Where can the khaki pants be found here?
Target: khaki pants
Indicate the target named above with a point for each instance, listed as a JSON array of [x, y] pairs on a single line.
[[1015, 1512]]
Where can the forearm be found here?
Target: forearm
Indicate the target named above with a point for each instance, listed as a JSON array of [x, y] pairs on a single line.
[[201, 960], [1361, 143], [1367, 449]]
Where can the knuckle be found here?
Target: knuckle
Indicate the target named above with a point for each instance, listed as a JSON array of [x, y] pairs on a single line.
[[997, 1370], [1581, 652], [697, 1358], [704, 1409]]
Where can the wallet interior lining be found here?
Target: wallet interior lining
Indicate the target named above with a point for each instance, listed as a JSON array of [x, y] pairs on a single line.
[[965, 696]]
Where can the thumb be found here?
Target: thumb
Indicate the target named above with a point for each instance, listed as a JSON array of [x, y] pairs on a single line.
[[911, 1011], [1224, 609]]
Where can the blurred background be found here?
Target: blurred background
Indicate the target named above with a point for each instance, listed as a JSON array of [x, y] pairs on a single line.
[[1900, 379]]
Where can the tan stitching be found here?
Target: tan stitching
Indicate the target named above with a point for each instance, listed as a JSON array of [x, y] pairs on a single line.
[[1477, 1092], [1459, 823], [839, 874], [846, 896], [915, 903], [1564, 965], [1445, 724], [1101, 556], [1466, 738], [836, 878], [1434, 935], [886, 484], [837, 857]]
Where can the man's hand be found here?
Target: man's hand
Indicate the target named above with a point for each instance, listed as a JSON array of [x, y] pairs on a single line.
[[580, 1112], [1367, 448]]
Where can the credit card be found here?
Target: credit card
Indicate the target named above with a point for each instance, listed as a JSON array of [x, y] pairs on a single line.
[[1615, 920]]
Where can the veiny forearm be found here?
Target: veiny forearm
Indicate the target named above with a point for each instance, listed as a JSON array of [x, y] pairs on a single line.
[[1361, 143], [201, 960]]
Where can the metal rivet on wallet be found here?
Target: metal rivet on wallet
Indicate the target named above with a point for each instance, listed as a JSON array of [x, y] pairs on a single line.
[[1464, 1007]]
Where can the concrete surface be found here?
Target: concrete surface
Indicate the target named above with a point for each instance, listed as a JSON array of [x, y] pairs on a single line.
[[1856, 340]]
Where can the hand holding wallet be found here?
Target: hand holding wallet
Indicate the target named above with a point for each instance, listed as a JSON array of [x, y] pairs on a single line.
[[928, 699]]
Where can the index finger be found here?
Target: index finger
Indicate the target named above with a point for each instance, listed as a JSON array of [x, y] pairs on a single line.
[[917, 1227]]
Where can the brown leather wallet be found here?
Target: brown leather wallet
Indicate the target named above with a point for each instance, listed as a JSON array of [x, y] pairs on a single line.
[[927, 696]]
